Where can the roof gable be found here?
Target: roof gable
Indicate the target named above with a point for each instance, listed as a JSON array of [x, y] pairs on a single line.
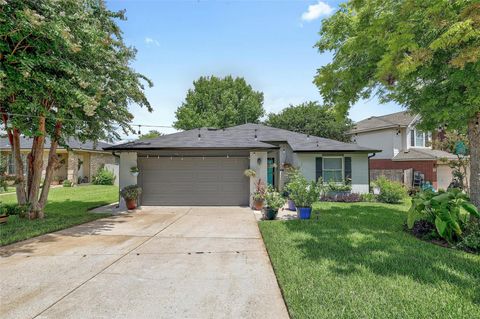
[[399, 119]]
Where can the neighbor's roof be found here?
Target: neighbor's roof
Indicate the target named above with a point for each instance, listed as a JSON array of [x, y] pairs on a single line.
[[399, 119], [423, 154], [241, 137], [26, 143]]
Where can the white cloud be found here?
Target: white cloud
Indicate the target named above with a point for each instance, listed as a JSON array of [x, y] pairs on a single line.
[[150, 41], [315, 11]]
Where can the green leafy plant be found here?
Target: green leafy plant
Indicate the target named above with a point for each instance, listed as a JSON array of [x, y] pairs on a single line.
[[67, 183], [103, 177], [471, 239], [131, 192], [134, 169], [302, 192], [449, 211], [338, 187], [14, 209], [368, 197], [273, 199], [390, 192]]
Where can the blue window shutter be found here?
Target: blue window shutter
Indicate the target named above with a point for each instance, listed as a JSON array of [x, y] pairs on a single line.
[[348, 168], [318, 168]]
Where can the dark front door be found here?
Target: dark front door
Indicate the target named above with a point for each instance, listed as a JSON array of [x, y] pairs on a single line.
[[271, 171]]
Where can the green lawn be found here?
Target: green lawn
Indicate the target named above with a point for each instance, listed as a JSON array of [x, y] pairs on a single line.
[[66, 207], [356, 261]]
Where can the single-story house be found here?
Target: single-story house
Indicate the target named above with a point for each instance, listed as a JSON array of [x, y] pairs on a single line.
[[408, 153], [206, 166], [77, 164]]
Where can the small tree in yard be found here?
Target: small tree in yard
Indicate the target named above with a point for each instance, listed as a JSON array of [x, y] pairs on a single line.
[[64, 73], [424, 55]]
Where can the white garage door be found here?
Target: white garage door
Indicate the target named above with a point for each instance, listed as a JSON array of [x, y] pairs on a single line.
[[194, 181]]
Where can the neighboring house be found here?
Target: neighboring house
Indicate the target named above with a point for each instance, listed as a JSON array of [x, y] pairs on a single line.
[[206, 166], [407, 154], [78, 164]]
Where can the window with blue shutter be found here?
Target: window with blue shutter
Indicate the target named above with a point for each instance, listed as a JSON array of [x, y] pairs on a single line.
[[318, 168], [348, 169]]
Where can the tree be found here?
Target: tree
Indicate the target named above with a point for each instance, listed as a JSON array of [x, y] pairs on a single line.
[[150, 134], [219, 102], [424, 55], [313, 119], [64, 74]]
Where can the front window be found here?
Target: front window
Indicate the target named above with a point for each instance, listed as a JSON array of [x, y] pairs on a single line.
[[333, 169]]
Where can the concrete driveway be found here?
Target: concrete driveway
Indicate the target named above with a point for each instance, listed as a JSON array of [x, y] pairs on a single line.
[[162, 262]]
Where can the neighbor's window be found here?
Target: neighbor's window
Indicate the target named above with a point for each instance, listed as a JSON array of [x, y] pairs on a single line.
[[420, 139], [333, 169]]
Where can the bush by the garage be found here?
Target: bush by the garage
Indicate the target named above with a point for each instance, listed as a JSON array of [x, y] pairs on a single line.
[[103, 177]]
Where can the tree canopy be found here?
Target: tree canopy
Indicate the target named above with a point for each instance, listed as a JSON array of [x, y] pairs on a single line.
[[65, 72], [423, 55], [313, 119], [219, 102], [150, 134]]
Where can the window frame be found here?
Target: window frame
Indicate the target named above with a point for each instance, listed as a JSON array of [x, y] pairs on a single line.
[[342, 169], [427, 138]]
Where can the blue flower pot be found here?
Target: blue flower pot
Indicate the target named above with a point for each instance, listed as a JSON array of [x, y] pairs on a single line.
[[291, 205], [304, 212]]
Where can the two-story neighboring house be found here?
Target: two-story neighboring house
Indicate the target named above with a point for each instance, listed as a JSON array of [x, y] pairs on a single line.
[[407, 154]]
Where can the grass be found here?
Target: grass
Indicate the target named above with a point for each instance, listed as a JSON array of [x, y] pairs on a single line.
[[10, 189], [66, 207], [356, 261]]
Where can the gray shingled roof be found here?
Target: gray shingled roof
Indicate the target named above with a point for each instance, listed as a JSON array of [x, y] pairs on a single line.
[[373, 123], [241, 137], [423, 154], [26, 143]]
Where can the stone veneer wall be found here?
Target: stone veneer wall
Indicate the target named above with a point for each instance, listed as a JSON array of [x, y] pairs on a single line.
[[97, 160]]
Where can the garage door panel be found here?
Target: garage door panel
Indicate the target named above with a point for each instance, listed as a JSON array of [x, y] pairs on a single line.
[[194, 181]]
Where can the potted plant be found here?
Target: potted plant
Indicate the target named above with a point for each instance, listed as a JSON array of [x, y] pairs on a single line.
[[258, 196], [130, 194], [273, 202], [304, 194], [134, 171], [250, 173]]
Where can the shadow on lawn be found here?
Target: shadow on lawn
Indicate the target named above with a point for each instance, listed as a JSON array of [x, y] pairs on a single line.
[[368, 236], [82, 228]]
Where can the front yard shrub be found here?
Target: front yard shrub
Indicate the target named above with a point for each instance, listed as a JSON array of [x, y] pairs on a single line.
[[368, 197], [67, 183], [450, 212], [103, 177], [302, 192], [471, 239], [14, 209], [390, 192]]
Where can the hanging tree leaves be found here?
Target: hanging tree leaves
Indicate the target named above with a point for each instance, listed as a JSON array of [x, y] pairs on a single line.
[[64, 74]]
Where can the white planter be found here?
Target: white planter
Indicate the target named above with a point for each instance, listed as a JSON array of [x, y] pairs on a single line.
[[134, 173]]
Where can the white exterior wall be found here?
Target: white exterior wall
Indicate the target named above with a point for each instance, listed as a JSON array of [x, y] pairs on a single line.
[[127, 161], [261, 170], [305, 162], [386, 140]]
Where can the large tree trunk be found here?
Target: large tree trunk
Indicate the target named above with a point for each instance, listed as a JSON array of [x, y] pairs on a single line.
[[474, 138], [52, 162], [19, 172], [35, 170]]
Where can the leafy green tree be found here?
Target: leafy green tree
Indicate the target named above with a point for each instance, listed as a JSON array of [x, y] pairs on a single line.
[[219, 102], [150, 134], [65, 73], [424, 55], [313, 119]]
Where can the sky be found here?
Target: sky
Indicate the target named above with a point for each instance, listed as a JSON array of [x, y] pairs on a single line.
[[269, 43]]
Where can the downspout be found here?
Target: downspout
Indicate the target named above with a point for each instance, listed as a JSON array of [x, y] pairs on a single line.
[[118, 156], [369, 157]]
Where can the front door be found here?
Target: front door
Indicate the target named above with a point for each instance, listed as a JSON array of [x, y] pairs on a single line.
[[271, 171]]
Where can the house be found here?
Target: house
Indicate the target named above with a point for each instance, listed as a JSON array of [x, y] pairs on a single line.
[[206, 166], [407, 154], [78, 164]]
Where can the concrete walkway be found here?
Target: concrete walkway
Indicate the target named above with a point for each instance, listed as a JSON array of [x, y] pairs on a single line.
[[161, 262]]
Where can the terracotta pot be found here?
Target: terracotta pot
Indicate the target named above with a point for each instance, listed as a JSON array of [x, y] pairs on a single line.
[[3, 219], [258, 204], [131, 203]]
